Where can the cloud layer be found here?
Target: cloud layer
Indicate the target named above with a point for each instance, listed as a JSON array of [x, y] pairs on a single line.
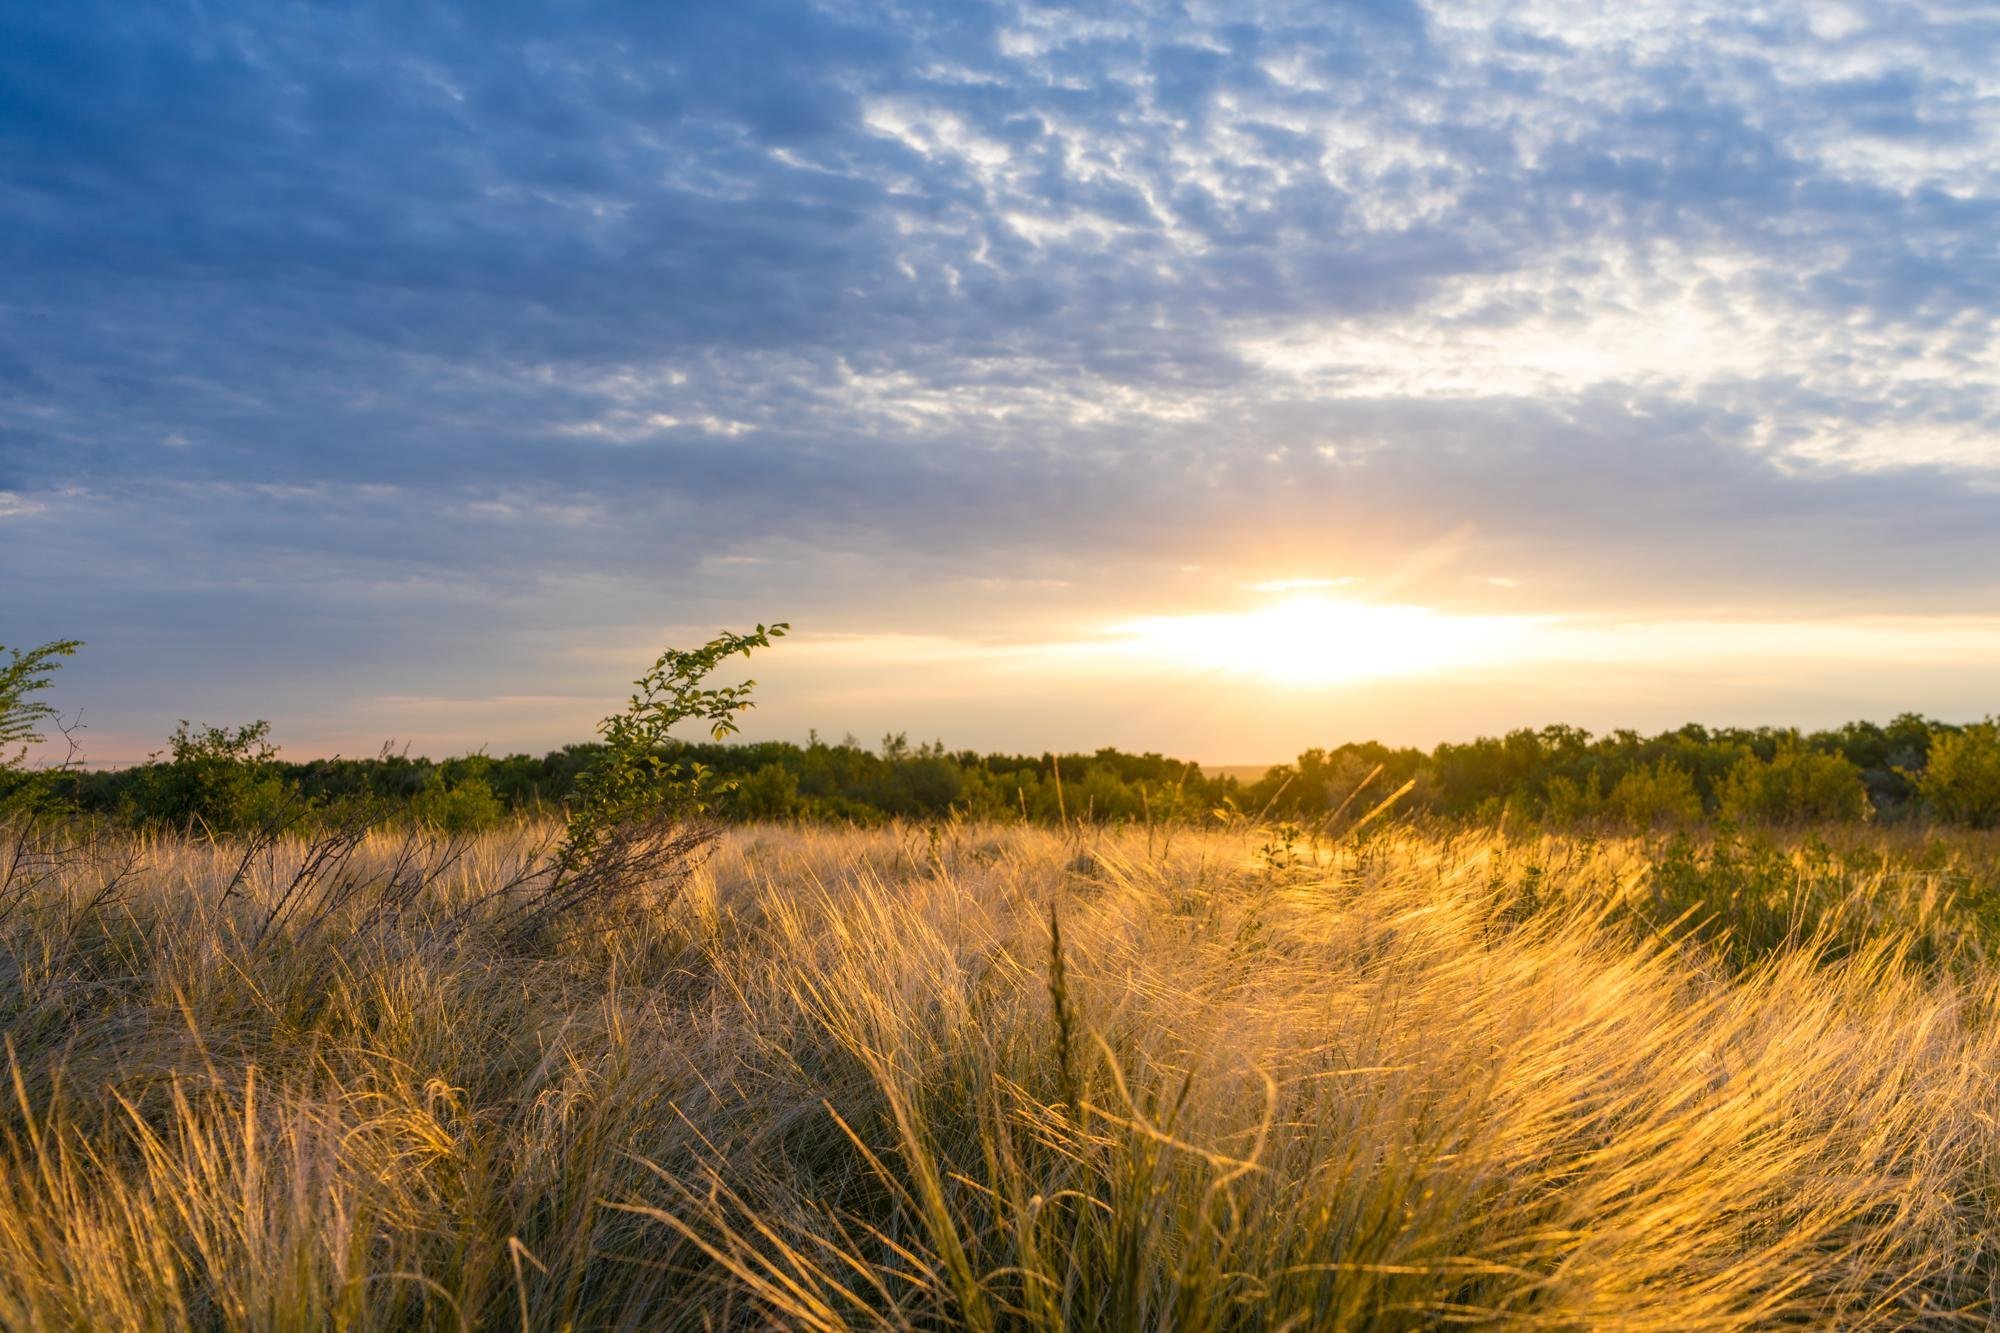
[[422, 341]]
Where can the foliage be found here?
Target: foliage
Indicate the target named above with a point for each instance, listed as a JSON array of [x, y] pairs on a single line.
[[457, 797], [1961, 782], [1649, 797], [1745, 895], [25, 674], [1796, 786], [770, 793], [221, 779], [638, 822], [635, 780], [1569, 801], [1562, 775]]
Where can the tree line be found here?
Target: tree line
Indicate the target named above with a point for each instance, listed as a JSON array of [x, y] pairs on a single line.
[[1909, 768], [227, 779]]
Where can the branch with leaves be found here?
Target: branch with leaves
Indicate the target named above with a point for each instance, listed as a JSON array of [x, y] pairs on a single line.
[[636, 781], [23, 675]]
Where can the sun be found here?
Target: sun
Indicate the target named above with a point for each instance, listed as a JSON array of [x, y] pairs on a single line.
[[1325, 641]]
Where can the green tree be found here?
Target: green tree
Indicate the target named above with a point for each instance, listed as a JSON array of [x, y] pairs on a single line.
[[224, 779], [1795, 786], [1649, 797], [458, 797], [771, 792], [1569, 801], [1961, 782]]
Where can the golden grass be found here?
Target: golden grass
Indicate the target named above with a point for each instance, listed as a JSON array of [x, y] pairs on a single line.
[[849, 1080]]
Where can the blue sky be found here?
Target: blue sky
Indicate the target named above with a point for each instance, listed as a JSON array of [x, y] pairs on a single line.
[[415, 370]]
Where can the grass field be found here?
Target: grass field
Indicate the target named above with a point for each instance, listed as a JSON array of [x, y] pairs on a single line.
[[850, 1079]]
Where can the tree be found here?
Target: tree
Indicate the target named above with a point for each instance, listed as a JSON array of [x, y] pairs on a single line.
[[1662, 794], [771, 792], [457, 797], [1796, 786], [1961, 782], [1568, 801], [224, 779]]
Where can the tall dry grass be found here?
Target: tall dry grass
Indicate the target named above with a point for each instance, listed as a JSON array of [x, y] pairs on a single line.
[[999, 1079]]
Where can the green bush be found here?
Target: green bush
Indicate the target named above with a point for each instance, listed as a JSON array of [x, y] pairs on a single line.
[[772, 792], [1961, 782], [220, 778], [1568, 801], [634, 781], [1739, 892], [458, 798], [1795, 786], [1663, 794]]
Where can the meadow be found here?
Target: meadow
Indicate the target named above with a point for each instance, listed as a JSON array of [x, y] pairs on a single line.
[[960, 1075]]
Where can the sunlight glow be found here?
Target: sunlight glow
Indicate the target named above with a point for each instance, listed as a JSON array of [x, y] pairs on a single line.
[[1322, 641], [1313, 640]]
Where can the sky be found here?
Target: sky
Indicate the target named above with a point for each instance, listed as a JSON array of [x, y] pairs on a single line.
[[1212, 379]]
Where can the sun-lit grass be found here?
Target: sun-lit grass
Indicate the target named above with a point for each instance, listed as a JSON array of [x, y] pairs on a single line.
[[850, 1079]]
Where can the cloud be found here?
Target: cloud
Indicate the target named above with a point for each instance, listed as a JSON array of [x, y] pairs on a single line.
[[341, 337]]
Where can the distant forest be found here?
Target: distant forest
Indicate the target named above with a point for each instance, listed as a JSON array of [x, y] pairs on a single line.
[[1911, 768]]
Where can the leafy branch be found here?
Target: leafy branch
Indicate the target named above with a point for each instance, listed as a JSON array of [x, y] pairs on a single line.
[[22, 717], [27, 672], [636, 782]]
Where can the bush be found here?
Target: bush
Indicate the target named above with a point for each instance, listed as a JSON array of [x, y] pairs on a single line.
[[641, 819], [223, 779], [634, 783], [458, 798], [1568, 801], [1961, 783], [772, 792], [1796, 786], [1651, 797]]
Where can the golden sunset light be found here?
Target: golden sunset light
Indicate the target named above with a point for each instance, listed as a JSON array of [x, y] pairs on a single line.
[[1312, 665], [1313, 640]]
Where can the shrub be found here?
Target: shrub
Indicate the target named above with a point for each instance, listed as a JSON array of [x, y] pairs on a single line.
[[1961, 782], [641, 819], [1568, 801], [1796, 786], [222, 778], [1650, 797], [772, 792], [458, 798], [634, 781]]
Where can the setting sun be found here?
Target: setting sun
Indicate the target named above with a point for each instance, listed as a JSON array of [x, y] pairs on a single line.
[[1325, 641]]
